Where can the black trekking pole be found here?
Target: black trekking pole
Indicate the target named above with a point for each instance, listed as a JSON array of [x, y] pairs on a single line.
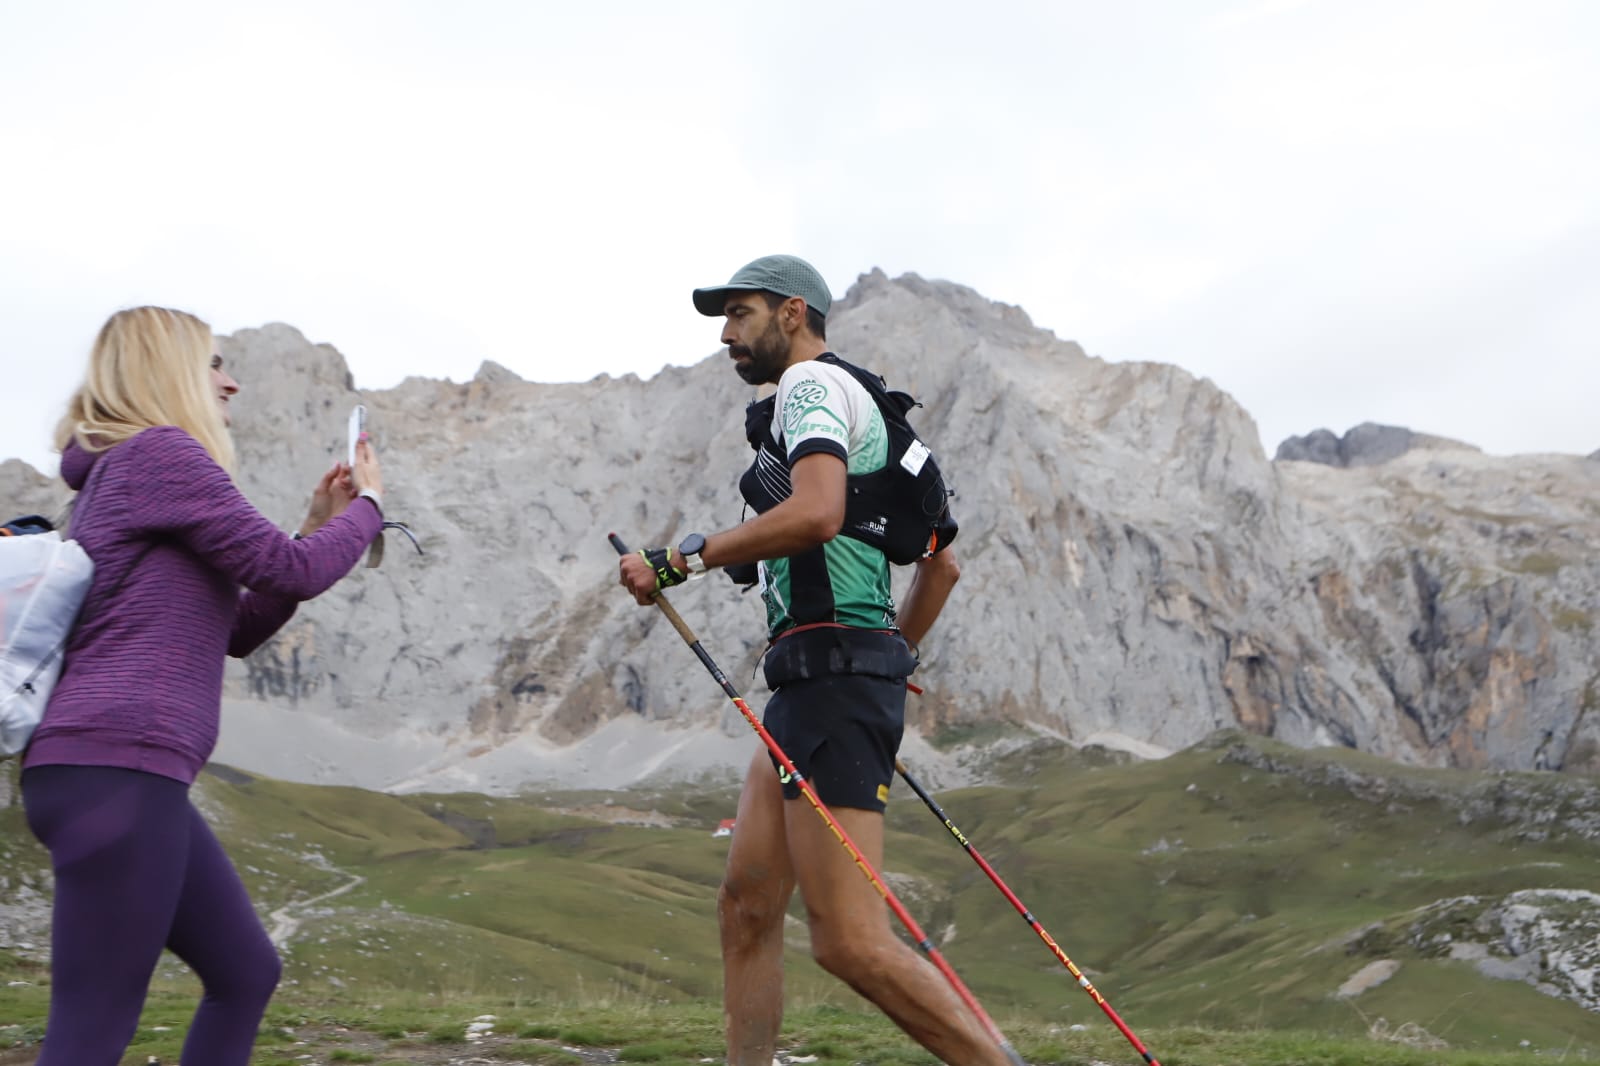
[[1033, 923], [922, 939]]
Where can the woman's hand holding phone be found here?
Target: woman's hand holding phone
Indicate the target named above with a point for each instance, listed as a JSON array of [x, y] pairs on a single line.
[[366, 474], [344, 482], [329, 499]]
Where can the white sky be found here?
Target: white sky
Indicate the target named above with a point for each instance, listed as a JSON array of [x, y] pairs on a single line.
[[1338, 211]]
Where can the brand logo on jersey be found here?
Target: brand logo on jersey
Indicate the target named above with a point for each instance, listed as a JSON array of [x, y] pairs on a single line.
[[802, 398], [883, 793], [784, 776]]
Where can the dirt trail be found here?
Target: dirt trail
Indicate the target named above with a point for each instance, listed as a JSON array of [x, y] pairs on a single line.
[[287, 919]]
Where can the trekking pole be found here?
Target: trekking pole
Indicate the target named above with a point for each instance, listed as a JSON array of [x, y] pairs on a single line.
[[924, 943], [1083, 982]]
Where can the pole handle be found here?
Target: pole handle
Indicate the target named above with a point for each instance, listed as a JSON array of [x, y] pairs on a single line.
[[661, 600]]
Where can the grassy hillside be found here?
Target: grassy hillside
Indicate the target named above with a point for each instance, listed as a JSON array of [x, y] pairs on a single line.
[[1231, 888]]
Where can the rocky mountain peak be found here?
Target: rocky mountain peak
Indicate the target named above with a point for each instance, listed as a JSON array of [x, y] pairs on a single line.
[[1136, 573], [492, 373]]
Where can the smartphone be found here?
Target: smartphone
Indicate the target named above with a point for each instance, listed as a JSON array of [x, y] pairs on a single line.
[[358, 426]]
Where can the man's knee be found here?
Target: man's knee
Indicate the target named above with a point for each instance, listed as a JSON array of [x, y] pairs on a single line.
[[747, 908], [859, 961]]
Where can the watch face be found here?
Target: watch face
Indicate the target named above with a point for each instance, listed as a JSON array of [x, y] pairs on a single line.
[[693, 544]]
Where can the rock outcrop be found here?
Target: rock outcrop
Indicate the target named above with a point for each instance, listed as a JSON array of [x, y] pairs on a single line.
[[1548, 938], [1133, 566], [1368, 444]]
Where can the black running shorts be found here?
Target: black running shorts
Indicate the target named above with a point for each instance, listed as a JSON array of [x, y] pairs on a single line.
[[838, 710], [842, 733]]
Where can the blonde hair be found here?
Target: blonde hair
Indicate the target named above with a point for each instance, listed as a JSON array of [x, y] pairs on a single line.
[[150, 366]]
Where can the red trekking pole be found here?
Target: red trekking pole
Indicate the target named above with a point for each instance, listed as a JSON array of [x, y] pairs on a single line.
[[922, 939], [1033, 923]]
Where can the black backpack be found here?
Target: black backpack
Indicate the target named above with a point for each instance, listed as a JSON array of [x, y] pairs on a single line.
[[903, 509]]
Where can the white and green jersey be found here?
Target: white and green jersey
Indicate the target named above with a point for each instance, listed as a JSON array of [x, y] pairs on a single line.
[[820, 407]]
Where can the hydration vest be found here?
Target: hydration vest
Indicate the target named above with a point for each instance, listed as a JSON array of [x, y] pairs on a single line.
[[902, 509]]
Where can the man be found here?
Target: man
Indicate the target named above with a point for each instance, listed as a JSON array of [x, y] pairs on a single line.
[[837, 666]]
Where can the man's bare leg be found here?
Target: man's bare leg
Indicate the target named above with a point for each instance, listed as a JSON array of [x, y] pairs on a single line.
[[755, 893], [851, 937]]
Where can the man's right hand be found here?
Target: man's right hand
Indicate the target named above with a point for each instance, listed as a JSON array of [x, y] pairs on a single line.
[[641, 579]]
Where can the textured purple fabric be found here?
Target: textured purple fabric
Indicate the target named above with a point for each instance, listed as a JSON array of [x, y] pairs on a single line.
[[137, 869], [141, 684]]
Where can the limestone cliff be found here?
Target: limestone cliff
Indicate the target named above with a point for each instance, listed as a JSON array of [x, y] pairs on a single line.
[[1134, 567]]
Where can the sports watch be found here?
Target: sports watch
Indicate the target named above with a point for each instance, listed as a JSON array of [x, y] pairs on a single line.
[[691, 548]]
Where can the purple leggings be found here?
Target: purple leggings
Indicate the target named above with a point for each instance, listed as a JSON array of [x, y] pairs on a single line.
[[137, 869]]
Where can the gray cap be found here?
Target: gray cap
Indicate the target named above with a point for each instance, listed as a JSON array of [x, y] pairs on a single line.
[[786, 275]]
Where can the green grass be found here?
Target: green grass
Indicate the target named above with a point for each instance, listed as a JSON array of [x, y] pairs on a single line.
[[1216, 898], [691, 1033]]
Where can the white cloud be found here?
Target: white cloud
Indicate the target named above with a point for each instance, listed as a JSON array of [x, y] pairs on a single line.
[[1336, 211]]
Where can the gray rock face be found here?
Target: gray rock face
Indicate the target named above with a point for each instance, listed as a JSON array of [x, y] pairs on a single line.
[[1368, 444], [23, 490], [1319, 446], [1135, 571]]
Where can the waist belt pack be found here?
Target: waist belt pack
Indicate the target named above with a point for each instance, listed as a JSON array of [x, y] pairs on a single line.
[[827, 651]]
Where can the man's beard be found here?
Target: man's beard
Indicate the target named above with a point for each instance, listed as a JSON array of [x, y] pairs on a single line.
[[766, 359]]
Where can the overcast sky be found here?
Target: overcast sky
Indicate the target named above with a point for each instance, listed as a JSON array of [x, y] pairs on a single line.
[[1338, 211]]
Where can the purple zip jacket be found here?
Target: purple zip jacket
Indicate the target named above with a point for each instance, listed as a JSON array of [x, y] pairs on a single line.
[[141, 684]]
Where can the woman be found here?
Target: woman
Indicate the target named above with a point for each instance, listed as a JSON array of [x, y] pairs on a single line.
[[134, 716]]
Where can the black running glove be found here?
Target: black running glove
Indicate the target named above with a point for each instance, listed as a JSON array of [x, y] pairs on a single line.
[[660, 560]]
